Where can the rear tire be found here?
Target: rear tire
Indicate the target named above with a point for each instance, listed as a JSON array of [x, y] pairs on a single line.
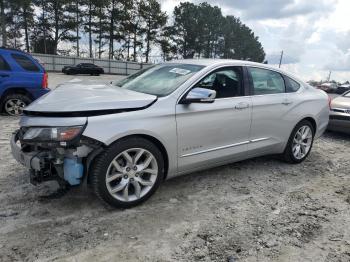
[[128, 172], [300, 143], [13, 104]]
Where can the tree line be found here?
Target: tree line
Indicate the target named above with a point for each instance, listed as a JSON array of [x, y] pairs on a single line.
[[126, 30]]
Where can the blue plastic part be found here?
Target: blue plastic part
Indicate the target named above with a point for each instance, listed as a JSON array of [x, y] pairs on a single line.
[[73, 171]]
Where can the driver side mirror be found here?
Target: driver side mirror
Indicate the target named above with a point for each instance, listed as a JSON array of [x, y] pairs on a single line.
[[199, 95]]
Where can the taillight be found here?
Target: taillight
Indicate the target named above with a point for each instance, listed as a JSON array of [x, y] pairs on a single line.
[[329, 102], [45, 83]]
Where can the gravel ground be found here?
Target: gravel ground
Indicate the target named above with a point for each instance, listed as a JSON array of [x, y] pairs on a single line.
[[255, 210]]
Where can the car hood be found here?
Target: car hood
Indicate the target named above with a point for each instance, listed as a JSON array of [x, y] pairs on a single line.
[[88, 98], [341, 102]]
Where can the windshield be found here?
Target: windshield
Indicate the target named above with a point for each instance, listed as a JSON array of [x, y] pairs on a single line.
[[159, 80]]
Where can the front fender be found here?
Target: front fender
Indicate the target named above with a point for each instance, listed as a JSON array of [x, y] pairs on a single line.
[[110, 128]]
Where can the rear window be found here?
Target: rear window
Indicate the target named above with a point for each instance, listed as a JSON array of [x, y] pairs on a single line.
[[266, 81], [3, 64], [291, 85], [25, 63]]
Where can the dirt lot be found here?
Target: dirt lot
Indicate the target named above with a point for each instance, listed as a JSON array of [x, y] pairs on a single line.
[[256, 210]]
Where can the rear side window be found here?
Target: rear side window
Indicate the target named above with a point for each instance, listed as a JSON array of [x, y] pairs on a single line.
[[3, 64], [266, 81], [25, 63], [291, 85]]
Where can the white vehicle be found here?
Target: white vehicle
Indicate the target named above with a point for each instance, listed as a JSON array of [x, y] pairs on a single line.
[[164, 121]]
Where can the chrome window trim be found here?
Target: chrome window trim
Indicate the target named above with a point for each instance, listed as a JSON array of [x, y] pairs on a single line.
[[282, 74], [206, 74], [275, 70]]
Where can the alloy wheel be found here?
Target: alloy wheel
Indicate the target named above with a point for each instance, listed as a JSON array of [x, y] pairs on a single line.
[[14, 106], [131, 174], [302, 142]]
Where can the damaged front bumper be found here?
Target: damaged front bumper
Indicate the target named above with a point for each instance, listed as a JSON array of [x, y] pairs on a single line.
[[28, 159], [47, 162]]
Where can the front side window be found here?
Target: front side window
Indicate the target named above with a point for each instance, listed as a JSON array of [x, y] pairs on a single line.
[[227, 82], [159, 80], [3, 64], [25, 63], [266, 81], [291, 85]]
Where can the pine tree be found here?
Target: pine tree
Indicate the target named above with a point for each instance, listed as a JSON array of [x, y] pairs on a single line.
[[154, 20], [56, 22], [3, 6], [100, 26], [186, 24], [76, 10]]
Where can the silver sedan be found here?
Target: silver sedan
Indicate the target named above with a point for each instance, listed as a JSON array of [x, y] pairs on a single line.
[[170, 119], [339, 118]]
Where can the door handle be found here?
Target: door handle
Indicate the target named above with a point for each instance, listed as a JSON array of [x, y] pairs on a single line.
[[286, 102], [241, 106]]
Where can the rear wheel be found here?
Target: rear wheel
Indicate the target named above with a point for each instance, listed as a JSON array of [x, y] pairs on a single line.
[[300, 142], [15, 103], [128, 172]]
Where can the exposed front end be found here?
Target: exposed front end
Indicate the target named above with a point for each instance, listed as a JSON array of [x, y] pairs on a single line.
[[58, 153]]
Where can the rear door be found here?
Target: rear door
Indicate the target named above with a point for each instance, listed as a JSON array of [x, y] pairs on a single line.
[[80, 69], [26, 73], [270, 107], [88, 69], [5, 74], [210, 133]]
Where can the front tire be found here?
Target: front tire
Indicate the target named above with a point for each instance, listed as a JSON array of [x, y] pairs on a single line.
[[128, 172], [300, 143]]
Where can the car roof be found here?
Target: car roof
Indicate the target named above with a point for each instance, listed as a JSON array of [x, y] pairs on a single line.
[[13, 51], [214, 62], [209, 61]]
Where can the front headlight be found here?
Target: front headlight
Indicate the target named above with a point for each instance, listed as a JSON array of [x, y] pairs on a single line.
[[52, 134]]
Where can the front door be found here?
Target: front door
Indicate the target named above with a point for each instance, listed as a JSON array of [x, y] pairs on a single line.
[[210, 133]]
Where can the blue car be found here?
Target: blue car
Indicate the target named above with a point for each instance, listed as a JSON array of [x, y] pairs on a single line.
[[22, 80]]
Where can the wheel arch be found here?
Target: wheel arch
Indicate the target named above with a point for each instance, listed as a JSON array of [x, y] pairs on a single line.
[[14, 90], [150, 138], [312, 121], [308, 118]]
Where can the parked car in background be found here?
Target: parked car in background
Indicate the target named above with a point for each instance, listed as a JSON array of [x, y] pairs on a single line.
[[167, 120], [83, 68], [328, 87], [22, 80], [343, 88], [339, 118]]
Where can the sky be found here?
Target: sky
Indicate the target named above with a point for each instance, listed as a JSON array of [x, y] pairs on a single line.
[[313, 34]]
